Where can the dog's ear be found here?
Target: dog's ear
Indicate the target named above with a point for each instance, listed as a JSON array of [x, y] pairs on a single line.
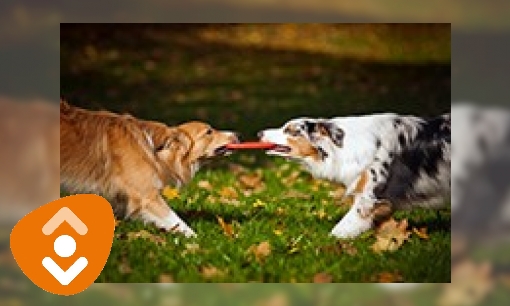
[[176, 140], [332, 131]]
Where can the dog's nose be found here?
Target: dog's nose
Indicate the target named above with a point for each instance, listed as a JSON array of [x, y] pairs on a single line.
[[260, 134]]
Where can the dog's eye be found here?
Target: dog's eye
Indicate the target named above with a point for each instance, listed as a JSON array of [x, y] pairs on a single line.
[[209, 132], [291, 131]]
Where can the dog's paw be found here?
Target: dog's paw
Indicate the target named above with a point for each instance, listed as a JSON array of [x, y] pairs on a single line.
[[183, 229], [346, 232], [351, 226], [190, 233]]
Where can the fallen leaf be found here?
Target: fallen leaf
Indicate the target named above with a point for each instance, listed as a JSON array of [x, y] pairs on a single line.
[[294, 194], [205, 185], [261, 250], [390, 235], [143, 234], [236, 168], [165, 278], [170, 193], [346, 201], [251, 181], [124, 267], [292, 178], [339, 248], [470, 284], [280, 211], [321, 278], [228, 193], [348, 248], [321, 214], [227, 228], [422, 232], [211, 272], [232, 202], [387, 277], [338, 193]]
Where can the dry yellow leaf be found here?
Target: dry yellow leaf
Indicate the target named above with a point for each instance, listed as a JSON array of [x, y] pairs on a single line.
[[346, 201], [227, 228], [348, 248], [294, 194], [391, 235], [422, 232], [232, 202], [211, 272], [205, 185], [293, 250], [261, 250], [278, 232], [338, 193], [228, 193], [251, 181], [321, 214], [321, 278], [258, 203], [170, 193]]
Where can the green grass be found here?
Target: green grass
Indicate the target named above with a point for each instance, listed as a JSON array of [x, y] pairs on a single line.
[[235, 79], [301, 212]]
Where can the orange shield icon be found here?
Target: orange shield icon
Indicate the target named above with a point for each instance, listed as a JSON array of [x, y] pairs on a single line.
[[63, 246]]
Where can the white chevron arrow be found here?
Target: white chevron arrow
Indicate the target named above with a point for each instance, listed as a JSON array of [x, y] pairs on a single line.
[[65, 277]]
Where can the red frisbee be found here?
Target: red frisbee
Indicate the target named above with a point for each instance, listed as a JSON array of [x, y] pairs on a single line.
[[251, 145]]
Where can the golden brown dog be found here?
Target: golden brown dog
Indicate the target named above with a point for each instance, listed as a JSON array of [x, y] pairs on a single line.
[[129, 161]]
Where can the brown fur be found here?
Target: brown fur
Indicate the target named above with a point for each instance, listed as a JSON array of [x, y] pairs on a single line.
[[362, 182], [301, 147], [129, 160]]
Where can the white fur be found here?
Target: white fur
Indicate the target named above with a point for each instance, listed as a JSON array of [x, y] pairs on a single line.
[[170, 222], [358, 153]]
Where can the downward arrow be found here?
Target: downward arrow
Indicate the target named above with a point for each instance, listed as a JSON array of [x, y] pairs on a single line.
[[65, 277]]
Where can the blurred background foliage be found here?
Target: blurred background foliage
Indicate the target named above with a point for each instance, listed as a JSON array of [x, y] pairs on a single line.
[[248, 77]]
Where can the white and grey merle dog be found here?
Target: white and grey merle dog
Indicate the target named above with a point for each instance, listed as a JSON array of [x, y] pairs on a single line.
[[386, 161]]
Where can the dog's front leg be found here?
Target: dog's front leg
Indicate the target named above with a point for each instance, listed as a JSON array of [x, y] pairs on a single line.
[[172, 222], [160, 214], [358, 219]]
